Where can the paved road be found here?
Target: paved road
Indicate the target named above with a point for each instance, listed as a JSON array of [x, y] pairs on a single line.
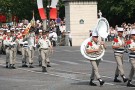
[[69, 71]]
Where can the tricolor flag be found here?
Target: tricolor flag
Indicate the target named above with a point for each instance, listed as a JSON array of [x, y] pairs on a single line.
[[41, 9], [53, 10]]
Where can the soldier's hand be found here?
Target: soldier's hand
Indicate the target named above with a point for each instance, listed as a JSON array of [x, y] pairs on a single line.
[[102, 43], [123, 45], [99, 49]]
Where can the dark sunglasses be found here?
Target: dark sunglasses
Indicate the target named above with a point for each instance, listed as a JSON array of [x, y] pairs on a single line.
[[120, 31], [96, 36]]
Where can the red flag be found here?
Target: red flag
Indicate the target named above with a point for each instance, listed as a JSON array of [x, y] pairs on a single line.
[[41, 9], [53, 13], [42, 13]]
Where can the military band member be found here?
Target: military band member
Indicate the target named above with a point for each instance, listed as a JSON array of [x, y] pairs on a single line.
[[1, 39], [132, 58], [118, 45], [39, 53], [24, 47], [50, 51], [10, 50], [19, 39], [44, 49], [94, 46], [30, 38]]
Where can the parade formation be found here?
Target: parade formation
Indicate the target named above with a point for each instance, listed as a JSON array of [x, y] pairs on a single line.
[[26, 38]]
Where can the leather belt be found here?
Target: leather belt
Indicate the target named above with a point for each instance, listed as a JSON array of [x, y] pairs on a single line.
[[44, 48]]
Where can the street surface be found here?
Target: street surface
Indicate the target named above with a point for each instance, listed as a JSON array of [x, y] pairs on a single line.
[[69, 71]]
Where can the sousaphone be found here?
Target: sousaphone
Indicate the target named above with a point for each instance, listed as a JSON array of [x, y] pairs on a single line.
[[102, 29]]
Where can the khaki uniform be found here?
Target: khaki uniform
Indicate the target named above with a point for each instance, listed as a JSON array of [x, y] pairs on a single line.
[[24, 52], [44, 49], [19, 40], [132, 59], [118, 53], [1, 38], [30, 38], [94, 63], [10, 50], [39, 52]]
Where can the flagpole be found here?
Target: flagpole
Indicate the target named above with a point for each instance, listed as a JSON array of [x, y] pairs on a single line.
[[44, 24]]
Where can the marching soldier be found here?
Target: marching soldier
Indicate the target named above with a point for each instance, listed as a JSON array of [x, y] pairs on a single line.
[[39, 53], [19, 39], [24, 47], [1, 39], [50, 49], [9, 43], [4, 36], [94, 47], [44, 49], [132, 58], [30, 38], [118, 46]]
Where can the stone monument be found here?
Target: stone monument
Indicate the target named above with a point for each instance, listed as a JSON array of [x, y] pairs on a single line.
[[81, 16]]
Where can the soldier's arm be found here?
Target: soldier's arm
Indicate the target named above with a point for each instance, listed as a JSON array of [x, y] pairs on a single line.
[[92, 50], [115, 47], [132, 49]]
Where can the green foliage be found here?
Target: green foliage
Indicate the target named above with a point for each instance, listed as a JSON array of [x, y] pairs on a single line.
[[123, 10]]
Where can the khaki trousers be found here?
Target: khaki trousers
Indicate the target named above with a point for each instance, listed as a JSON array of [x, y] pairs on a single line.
[[26, 52], [95, 72], [7, 54], [12, 54], [44, 55], [39, 55], [0, 45], [19, 48], [132, 71], [119, 61], [49, 52]]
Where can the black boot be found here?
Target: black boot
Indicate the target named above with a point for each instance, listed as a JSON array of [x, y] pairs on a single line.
[[92, 83], [40, 63], [13, 66], [124, 78], [44, 69], [129, 84], [101, 82], [6, 64], [10, 66], [24, 64], [31, 66], [116, 79], [48, 64]]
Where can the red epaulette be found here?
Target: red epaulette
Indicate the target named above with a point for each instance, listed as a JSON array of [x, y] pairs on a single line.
[[90, 43], [128, 42]]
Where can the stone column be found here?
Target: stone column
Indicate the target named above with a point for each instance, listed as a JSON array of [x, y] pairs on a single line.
[[81, 16]]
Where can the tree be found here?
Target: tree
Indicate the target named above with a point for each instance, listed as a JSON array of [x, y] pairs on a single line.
[[117, 11]]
